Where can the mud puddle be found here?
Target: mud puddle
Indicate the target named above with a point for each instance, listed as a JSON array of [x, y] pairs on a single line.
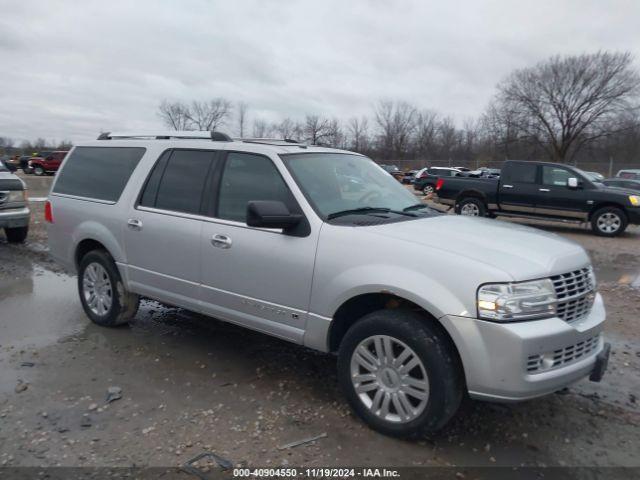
[[629, 277]]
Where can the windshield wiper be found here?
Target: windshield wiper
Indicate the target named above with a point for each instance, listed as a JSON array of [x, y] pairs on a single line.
[[366, 211], [417, 206]]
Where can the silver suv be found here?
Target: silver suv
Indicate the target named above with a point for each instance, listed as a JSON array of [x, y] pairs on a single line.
[[420, 307]]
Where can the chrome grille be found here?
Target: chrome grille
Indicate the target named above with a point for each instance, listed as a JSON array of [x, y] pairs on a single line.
[[575, 293], [562, 356]]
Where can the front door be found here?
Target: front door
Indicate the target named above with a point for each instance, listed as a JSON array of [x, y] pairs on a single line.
[[259, 278], [162, 233], [556, 198]]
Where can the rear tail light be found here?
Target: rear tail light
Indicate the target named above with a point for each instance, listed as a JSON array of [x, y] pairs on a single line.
[[48, 213], [439, 184]]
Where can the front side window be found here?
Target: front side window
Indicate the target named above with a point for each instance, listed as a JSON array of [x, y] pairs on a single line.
[[554, 176], [98, 172], [248, 177], [336, 182]]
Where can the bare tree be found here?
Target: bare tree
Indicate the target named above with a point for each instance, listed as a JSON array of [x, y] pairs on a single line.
[[359, 132], [426, 135], [397, 122], [174, 115], [564, 103], [209, 115], [316, 129], [285, 129], [242, 117], [260, 128]]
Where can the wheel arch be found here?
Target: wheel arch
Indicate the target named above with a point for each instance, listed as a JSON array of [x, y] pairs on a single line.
[[606, 204], [471, 194], [353, 309]]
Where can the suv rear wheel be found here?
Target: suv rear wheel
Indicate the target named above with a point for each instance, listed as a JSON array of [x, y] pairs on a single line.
[[608, 222], [428, 189], [38, 170], [102, 293], [399, 373], [17, 234]]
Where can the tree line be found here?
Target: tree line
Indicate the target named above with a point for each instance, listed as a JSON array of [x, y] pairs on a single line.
[[579, 108], [564, 109]]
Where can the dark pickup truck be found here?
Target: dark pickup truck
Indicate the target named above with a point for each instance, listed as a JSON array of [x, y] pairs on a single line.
[[543, 190]]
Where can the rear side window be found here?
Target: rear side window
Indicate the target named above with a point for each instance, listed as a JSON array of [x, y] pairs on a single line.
[[246, 178], [520, 173], [177, 181], [100, 173]]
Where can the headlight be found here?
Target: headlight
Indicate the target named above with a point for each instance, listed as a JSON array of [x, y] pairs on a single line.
[[635, 200], [506, 302], [17, 196]]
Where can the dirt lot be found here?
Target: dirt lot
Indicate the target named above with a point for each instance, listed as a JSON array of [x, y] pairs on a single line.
[[191, 384]]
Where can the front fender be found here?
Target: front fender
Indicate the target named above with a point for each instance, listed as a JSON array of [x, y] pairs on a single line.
[[406, 283]]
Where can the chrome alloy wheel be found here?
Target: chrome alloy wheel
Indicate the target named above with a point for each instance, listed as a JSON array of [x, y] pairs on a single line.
[[97, 290], [428, 189], [470, 209], [389, 378], [609, 222]]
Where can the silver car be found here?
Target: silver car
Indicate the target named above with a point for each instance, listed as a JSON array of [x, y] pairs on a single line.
[[420, 307], [14, 211]]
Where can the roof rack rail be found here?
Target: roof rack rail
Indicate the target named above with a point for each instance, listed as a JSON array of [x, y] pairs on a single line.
[[275, 141], [186, 135]]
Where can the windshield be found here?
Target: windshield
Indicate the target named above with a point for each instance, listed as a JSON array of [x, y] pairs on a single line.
[[336, 182]]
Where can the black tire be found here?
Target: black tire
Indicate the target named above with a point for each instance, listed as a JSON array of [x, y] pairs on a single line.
[[474, 203], [428, 189], [39, 171], [124, 304], [17, 234], [599, 226], [438, 356]]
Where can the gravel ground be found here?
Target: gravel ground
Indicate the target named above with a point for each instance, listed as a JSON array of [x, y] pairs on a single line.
[[190, 384]]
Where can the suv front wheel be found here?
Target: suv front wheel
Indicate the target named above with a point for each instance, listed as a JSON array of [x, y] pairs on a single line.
[[400, 373], [102, 293]]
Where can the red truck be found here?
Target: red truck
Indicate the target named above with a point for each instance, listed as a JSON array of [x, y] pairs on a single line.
[[46, 162]]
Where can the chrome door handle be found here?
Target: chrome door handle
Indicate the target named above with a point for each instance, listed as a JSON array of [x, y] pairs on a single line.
[[134, 224], [507, 186], [544, 190], [221, 241]]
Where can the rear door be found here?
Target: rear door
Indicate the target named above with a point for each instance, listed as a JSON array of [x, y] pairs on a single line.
[[556, 198], [162, 232], [518, 187]]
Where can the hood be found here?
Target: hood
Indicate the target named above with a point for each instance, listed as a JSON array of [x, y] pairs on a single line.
[[620, 190], [8, 181], [524, 253]]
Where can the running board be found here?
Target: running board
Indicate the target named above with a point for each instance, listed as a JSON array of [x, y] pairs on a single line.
[[539, 217]]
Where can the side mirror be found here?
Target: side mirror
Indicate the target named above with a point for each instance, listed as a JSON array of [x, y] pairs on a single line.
[[572, 182], [271, 214]]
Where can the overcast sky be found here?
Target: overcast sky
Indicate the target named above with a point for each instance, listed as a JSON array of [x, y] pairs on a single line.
[[69, 69]]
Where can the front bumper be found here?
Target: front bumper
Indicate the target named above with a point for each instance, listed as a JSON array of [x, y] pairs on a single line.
[[515, 361], [14, 217], [633, 214]]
